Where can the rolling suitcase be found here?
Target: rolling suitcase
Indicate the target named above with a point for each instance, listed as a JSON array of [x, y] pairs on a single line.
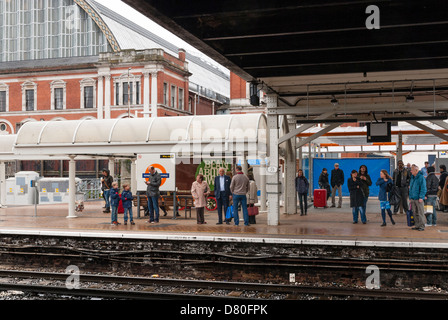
[[320, 198]]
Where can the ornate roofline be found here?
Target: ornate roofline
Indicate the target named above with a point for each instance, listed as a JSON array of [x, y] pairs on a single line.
[[96, 17]]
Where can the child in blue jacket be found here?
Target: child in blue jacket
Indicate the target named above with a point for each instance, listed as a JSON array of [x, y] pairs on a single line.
[[114, 201], [126, 199], [383, 195]]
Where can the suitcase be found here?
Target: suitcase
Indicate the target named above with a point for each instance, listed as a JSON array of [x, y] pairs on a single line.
[[320, 198]]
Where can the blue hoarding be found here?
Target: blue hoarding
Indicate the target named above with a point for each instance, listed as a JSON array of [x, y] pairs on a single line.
[[374, 166]]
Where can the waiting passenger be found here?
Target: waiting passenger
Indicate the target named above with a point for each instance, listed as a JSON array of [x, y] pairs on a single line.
[[152, 192], [239, 188], [356, 197], [366, 182], [302, 186], [324, 182], [200, 191], [385, 183], [126, 199], [114, 201], [252, 198], [432, 186], [417, 193], [106, 185], [337, 180]]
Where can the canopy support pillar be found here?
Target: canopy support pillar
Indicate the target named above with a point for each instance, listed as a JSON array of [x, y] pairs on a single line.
[[273, 185], [134, 176], [2, 184], [72, 187]]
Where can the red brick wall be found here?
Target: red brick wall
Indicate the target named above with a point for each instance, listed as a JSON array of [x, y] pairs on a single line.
[[237, 87]]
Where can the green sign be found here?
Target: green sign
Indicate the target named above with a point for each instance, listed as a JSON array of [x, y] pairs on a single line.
[[210, 169]]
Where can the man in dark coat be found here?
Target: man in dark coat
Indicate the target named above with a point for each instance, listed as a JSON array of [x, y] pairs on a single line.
[[152, 192], [222, 193], [402, 178], [337, 180], [106, 185], [356, 197]]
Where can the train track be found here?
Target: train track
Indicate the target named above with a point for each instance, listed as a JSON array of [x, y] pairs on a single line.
[[179, 289]]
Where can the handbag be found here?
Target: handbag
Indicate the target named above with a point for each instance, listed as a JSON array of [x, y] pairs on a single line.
[[229, 213], [253, 211], [428, 209]]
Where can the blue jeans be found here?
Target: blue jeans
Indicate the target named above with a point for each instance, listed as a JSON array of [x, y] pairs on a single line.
[[153, 205], [431, 219], [114, 214], [107, 198], [356, 211], [236, 201], [126, 210]]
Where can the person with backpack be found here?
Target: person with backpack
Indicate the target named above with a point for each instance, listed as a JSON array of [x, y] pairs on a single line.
[[386, 184]]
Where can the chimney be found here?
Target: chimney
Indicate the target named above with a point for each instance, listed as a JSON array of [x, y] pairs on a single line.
[[182, 54]]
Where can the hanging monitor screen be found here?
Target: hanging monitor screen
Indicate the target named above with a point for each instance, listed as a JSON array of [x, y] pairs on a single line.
[[379, 132]]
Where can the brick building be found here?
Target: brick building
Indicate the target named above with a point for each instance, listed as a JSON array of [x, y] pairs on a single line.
[[77, 59]]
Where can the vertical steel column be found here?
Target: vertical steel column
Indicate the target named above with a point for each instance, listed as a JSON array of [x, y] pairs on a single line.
[[290, 172], [134, 176], [72, 187], [273, 186], [263, 173]]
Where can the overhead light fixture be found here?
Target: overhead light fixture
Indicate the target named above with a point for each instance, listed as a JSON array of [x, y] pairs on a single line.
[[334, 101]]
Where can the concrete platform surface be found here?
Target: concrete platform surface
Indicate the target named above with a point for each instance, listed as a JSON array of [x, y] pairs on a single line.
[[325, 226]]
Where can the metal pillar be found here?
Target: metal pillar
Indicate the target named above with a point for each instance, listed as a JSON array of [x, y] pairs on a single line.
[[134, 176], [72, 187], [112, 167], [273, 185], [2, 184], [400, 147], [290, 173], [244, 164], [263, 173]]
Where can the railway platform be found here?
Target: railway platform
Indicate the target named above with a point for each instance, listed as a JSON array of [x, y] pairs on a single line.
[[324, 226]]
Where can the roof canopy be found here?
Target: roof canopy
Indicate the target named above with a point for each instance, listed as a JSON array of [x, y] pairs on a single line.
[[128, 136]]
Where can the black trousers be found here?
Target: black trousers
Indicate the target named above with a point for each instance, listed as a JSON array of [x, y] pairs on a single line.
[[303, 198], [404, 194], [223, 202]]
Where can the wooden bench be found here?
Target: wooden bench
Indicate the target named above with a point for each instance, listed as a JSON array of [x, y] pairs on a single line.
[[165, 202]]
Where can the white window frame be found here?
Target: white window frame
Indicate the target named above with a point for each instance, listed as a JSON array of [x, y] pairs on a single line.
[[173, 99], [29, 85], [181, 99], [88, 82], [5, 88], [124, 79], [59, 84]]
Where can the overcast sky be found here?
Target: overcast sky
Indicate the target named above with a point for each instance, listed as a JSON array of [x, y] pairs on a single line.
[[135, 16]]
